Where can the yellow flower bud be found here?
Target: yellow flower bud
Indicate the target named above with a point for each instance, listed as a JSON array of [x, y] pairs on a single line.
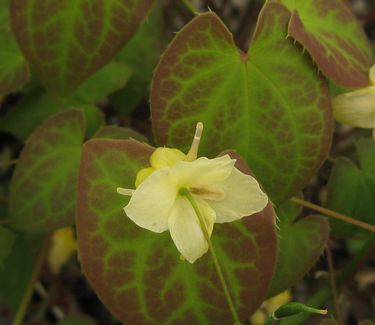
[[166, 157], [142, 175], [64, 246]]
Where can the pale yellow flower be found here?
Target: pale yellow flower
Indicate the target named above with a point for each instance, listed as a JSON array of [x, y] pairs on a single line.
[[221, 191], [63, 247], [357, 108]]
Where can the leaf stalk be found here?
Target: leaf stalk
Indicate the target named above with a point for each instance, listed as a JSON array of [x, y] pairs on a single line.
[[333, 214]]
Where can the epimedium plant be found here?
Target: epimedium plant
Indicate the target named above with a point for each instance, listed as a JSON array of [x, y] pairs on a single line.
[[267, 116]]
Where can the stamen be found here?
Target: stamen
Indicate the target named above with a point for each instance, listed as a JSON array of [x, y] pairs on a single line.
[[125, 191], [193, 152], [209, 192]]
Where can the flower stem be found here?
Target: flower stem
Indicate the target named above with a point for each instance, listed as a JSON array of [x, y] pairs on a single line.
[[185, 192], [332, 279], [333, 214], [343, 278]]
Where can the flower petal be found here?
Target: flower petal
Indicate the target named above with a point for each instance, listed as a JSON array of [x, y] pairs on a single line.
[[166, 157], [152, 201], [356, 108], [203, 171], [243, 198], [185, 228]]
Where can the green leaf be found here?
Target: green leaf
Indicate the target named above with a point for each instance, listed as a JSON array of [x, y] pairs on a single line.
[[37, 106], [332, 35], [141, 54], [351, 189], [33, 108], [16, 273], [138, 274], [94, 119], [7, 238], [117, 132], [274, 109], [14, 71], [107, 80], [43, 186], [300, 245], [67, 41]]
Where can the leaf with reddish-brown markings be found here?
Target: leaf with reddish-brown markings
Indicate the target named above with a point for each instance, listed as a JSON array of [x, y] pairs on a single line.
[[332, 35], [67, 41], [269, 104], [44, 184], [14, 70], [301, 242], [138, 274]]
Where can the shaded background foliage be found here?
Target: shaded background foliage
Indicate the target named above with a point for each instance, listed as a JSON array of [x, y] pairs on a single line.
[[118, 94]]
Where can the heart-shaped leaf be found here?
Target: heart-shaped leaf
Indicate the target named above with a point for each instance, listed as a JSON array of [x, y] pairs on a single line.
[[330, 32], [301, 243], [14, 71], [351, 189], [67, 41], [138, 274], [43, 187], [270, 104]]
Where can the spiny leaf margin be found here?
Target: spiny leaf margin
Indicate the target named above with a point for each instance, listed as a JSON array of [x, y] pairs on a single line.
[[279, 120], [301, 243], [332, 35]]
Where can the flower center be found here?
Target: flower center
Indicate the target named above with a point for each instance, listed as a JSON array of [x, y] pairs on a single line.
[[208, 192]]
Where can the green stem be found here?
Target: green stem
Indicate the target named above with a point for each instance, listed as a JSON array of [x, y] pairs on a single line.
[[333, 214], [320, 297], [185, 192], [30, 287], [332, 279]]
